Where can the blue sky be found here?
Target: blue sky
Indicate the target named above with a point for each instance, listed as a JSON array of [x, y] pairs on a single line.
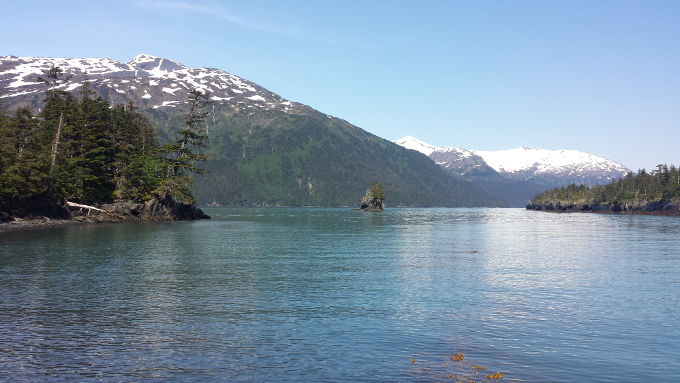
[[597, 76]]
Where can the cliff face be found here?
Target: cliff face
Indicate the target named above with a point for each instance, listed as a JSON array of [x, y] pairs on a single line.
[[661, 207]]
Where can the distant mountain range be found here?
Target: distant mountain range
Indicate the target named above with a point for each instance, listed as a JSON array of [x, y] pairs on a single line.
[[264, 150], [518, 174]]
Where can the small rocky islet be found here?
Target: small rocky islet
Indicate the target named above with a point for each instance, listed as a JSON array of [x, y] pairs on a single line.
[[374, 198]]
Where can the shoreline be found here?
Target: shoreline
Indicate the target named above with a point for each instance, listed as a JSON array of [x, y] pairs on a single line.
[[58, 212], [669, 208], [31, 224], [650, 213]]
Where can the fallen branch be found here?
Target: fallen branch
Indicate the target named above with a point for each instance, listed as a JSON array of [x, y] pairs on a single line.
[[90, 208]]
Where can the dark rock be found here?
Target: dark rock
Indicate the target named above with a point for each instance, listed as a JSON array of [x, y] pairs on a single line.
[[169, 209], [165, 208], [5, 217], [663, 207], [368, 202], [34, 207]]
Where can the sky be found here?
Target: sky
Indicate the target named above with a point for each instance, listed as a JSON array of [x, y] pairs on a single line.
[[597, 76]]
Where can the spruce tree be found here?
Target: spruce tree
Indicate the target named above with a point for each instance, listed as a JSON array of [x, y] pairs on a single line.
[[53, 78], [182, 155], [24, 171], [138, 168], [91, 148]]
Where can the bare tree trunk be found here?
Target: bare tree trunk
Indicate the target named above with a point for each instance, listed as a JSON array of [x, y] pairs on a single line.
[[55, 145]]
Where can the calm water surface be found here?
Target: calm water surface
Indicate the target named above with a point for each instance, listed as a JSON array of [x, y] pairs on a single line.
[[335, 295]]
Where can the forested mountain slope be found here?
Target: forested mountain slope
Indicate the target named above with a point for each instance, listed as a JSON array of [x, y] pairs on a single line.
[[263, 149]]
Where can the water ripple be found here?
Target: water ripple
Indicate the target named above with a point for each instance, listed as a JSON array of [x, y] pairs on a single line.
[[334, 295]]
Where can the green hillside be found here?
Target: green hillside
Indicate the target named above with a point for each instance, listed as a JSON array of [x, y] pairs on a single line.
[[275, 158]]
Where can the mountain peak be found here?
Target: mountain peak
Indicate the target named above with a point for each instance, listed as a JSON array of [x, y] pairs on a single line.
[[150, 82], [155, 65], [142, 58], [526, 161], [410, 142]]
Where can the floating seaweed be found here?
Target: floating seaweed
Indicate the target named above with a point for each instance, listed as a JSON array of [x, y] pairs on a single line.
[[457, 357], [462, 371]]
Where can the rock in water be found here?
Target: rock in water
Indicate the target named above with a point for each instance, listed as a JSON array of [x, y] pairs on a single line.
[[169, 209], [165, 208], [374, 198]]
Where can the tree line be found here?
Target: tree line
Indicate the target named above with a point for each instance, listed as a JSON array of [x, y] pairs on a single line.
[[662, 183], [81, 148]]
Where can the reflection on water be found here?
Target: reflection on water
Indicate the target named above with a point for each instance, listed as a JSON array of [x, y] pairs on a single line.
[[334, 295]]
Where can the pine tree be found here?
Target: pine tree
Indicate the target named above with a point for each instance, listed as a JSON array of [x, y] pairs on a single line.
[[91, 148], [24, 171], [58, 119], [181, 155], [138, 168], [53, 78]]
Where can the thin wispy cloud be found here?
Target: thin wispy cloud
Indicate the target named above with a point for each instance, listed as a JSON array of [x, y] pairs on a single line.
[[219, 11]]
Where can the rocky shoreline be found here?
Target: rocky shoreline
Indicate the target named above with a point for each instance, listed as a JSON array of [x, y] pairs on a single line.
[[53, 212], [661, 207]]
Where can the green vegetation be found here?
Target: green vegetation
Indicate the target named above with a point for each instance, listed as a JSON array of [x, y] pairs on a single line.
[[661, 184], [180, 156], [259, 155], [269, 157], [81, 148], [377, 191]]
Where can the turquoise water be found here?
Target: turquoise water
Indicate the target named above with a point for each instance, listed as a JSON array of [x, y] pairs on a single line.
[[334, 295]]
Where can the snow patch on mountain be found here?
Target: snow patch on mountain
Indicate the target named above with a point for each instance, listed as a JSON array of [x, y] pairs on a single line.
[[541, 161], [154, 78], [524, 162], [410, 142]]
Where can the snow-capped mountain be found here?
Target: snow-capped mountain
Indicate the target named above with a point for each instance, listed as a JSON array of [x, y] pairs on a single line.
[[157, 82], [524, 163], [459, 161], [410, 142], [263, 149]]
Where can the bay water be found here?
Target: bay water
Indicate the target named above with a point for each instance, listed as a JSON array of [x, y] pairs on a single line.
[[314, 294]]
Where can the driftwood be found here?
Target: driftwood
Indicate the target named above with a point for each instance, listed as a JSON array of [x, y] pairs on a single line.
[[90, 208]]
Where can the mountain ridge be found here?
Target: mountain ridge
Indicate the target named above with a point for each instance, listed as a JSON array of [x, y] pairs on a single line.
[[528, 162], [264, 149], [141, 77], [517, 175]]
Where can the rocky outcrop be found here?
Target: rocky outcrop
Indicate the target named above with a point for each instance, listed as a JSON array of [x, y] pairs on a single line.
[[47, 207], [374, 198], [661, 207], [370, 203], [157, 209], [33, 207]]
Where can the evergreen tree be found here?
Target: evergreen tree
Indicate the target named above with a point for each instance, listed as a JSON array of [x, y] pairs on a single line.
[[662, 184], [91, 148], [58, 119], [24, 171], [86, 151], [182, 155], [53, 78], [138, 168]]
